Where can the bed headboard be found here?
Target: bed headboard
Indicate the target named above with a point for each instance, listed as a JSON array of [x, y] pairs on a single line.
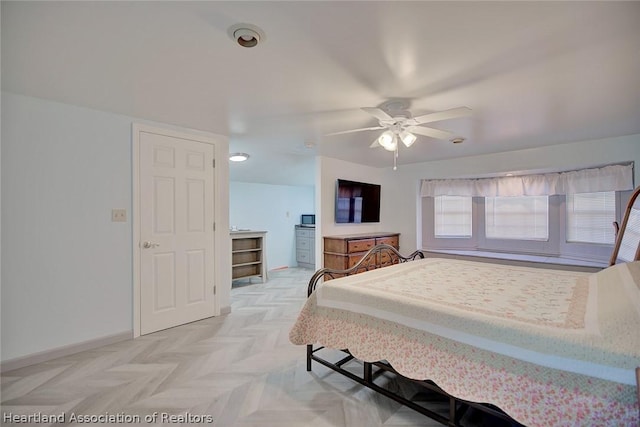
[[627, 247]]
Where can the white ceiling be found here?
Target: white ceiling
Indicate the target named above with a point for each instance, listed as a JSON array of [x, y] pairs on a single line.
[[534, 73]]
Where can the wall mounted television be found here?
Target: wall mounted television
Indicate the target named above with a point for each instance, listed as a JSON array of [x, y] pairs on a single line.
[[357, 202]]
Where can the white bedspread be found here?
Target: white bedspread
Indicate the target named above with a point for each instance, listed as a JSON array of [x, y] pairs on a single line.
[[573, 334]]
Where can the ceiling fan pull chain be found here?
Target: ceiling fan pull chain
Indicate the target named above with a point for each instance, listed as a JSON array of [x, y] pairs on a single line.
[[395, 159]]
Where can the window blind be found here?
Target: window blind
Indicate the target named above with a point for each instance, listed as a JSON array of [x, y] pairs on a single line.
[[453, 216], [590, 217], [520, 218]]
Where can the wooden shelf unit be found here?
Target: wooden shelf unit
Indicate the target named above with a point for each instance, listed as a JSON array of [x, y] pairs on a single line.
[[248, 255]]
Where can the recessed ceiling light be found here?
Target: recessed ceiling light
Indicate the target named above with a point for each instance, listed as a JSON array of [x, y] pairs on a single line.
[[457, 140], [246, 35], [238, 157]]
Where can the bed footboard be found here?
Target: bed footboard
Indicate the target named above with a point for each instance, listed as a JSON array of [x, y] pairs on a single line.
[[376, 257]]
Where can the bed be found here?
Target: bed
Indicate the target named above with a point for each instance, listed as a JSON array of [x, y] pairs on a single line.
[[536, 346]]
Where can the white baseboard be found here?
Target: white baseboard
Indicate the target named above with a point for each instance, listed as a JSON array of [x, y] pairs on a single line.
[[225, 310], [44, 356]]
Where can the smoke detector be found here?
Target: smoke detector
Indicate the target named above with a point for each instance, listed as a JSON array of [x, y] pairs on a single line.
[[246, 35]]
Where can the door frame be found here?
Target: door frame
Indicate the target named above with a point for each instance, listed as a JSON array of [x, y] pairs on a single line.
[[221, 240]]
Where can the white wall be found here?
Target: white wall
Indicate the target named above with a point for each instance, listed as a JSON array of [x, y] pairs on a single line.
[[66, 268], [272, 208]]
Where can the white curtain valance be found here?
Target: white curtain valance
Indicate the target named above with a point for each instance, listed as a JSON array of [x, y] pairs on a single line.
[[607, 178]]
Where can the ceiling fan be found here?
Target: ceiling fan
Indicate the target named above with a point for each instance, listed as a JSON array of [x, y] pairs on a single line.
[[400, 124]]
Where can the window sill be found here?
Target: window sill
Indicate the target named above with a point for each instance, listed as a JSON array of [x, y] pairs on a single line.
[[519, 259]]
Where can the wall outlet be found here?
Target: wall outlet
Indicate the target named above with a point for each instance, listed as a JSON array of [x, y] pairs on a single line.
[[118, 215]]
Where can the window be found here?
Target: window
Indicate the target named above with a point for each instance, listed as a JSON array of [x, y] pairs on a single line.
[[517, 218], [452, 216], [590, 217], [577, 226], [558, 214]]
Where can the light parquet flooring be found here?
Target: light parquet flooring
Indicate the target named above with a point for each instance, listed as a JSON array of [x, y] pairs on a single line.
[[240, 370]]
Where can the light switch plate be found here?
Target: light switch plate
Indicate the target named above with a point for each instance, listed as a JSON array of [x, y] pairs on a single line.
[[118, 215]]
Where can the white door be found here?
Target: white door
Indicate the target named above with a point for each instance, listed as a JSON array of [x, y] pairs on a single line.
[[176, 179]]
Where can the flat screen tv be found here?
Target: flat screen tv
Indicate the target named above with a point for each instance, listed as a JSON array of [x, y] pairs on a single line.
[[357, 202]]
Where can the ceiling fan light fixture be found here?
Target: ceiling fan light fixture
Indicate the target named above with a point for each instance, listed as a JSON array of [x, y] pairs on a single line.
[[388, 140], [407, 138]]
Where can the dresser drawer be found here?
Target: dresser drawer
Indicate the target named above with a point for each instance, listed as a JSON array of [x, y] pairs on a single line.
[[305, 233], [303, 243], [391, 240], [353, 260], [360, 245], [385, 259], [303, 256]]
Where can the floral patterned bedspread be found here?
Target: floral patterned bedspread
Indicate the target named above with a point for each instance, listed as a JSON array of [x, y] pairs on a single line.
[[548, 347]]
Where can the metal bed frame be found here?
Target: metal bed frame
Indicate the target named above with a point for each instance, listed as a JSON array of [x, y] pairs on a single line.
[[382, 255], [377, 257]]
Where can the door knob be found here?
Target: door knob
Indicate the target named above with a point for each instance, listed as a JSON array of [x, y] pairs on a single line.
[[148, 245]]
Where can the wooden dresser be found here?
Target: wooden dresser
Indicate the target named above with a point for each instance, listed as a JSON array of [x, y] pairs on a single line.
[[342, 252]]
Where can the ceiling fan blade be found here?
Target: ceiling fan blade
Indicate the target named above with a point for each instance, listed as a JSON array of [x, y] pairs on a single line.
[[433, 133], [377, 113], [355, 130], [443, 115]]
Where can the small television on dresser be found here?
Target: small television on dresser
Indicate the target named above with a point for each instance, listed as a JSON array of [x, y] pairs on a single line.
[[357, 202]]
